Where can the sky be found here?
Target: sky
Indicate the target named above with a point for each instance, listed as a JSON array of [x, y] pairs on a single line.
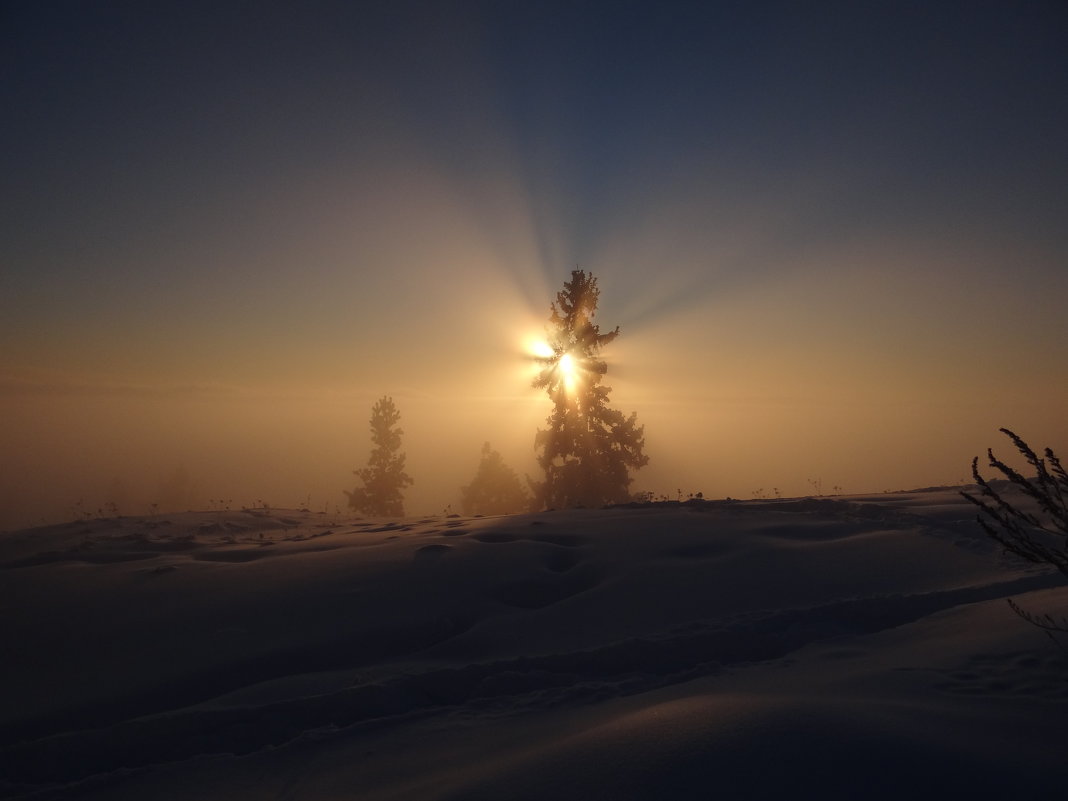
[[834, 237]]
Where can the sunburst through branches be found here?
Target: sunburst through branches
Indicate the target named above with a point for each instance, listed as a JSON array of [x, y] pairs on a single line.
[[589, 448]]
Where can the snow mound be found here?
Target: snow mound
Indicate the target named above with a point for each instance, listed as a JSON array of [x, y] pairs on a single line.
[[769, 648]]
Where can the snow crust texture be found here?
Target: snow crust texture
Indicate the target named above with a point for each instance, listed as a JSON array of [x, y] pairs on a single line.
[[831, 648]]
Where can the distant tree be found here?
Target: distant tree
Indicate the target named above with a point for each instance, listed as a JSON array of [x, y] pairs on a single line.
[[1039, 536], [495, 490], [384, 477], [589, 448]]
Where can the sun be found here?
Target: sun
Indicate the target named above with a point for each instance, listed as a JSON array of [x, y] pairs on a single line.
[[539, 349], [566, 368], [568, 371]]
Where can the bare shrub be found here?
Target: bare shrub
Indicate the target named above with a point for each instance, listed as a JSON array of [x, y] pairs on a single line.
[[1039, 536]]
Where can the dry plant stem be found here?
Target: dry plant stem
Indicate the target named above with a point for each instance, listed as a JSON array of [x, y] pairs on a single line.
[[1021, 532], [1051, 626]]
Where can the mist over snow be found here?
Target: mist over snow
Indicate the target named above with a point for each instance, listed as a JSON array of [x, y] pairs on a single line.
[[833, 240]]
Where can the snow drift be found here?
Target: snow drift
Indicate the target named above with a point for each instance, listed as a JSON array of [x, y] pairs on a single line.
[[832, 648]]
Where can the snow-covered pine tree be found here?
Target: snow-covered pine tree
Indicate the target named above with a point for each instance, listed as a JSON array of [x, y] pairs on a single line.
[[589, 448], [384, 477], [495, 489]]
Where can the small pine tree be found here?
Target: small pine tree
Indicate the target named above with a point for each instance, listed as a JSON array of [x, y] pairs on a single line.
[[384, 477], [495, 490], [589, 448]]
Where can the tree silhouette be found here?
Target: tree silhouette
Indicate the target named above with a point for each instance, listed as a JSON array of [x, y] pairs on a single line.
[[384, 477], [588, 449], [495, 490]]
